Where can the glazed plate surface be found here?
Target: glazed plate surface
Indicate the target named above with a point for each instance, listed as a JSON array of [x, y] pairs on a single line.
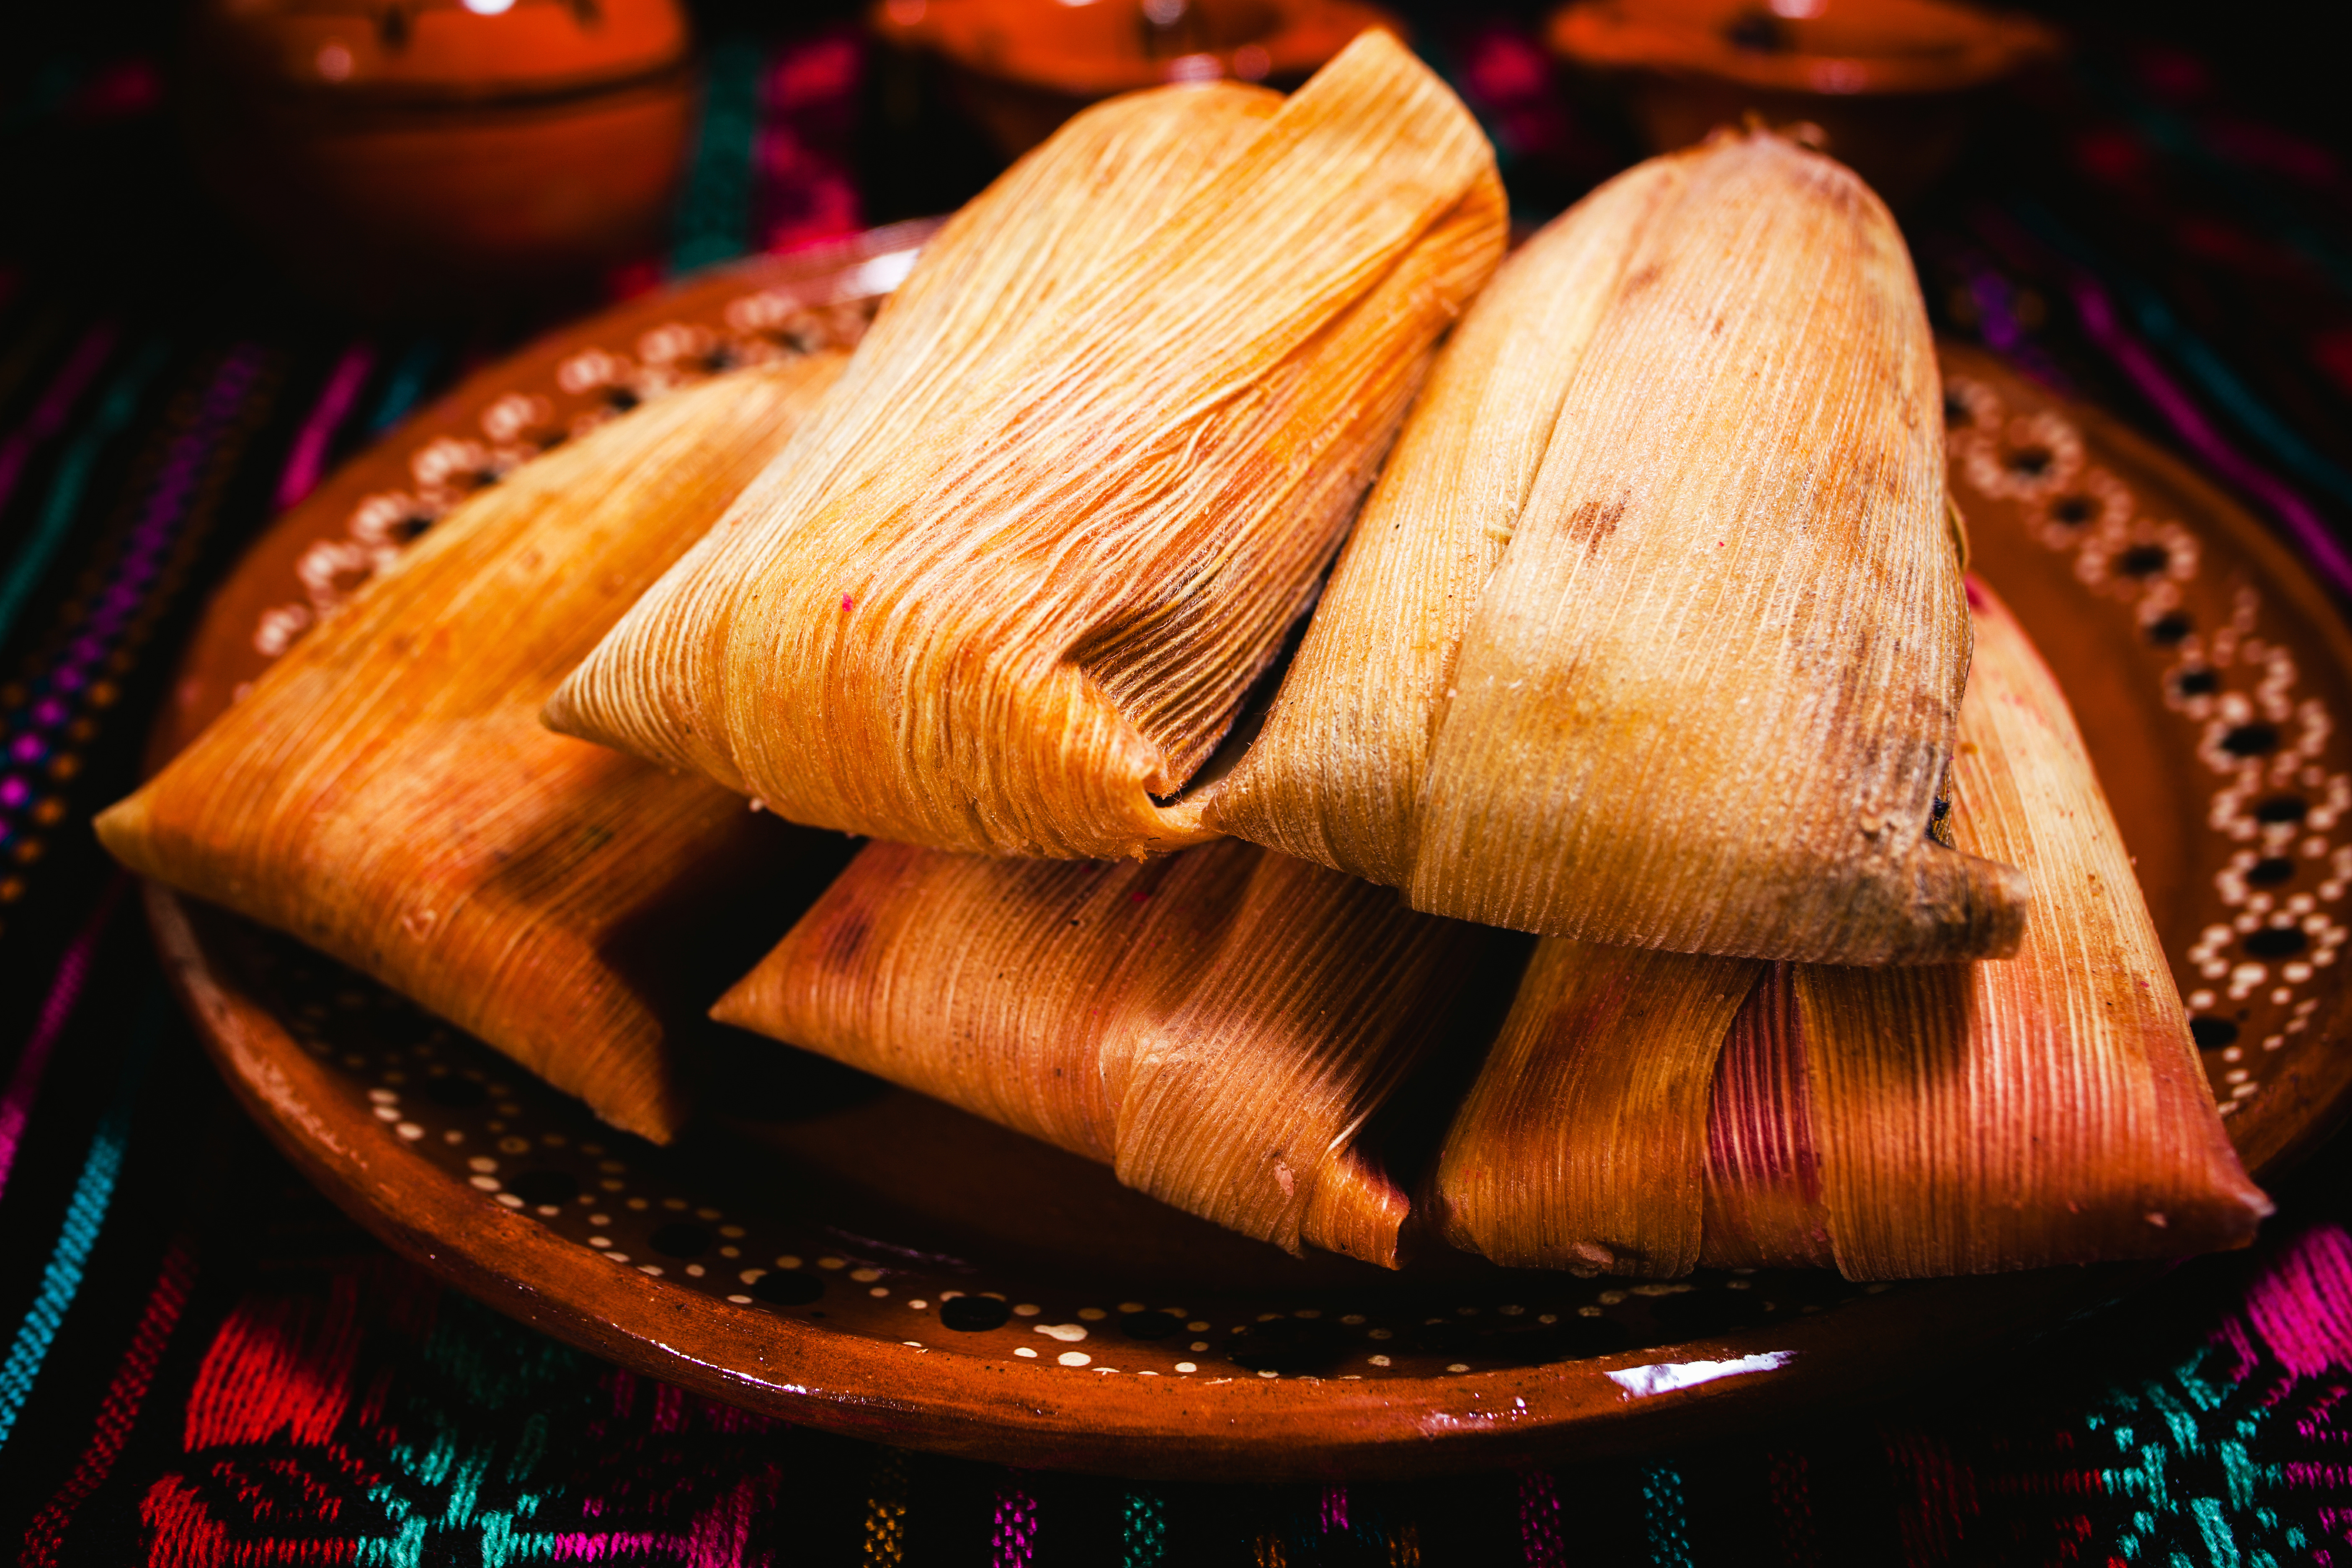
[[849, 1256]]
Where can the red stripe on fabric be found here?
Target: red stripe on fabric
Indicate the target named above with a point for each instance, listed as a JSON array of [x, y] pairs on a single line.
[[118, 1412], [1789, 1474], [65, 992], [184, 1533], [280, 1366], [1942, 1501]]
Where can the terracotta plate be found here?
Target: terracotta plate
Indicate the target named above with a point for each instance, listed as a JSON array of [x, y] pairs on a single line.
[[862, 1259]]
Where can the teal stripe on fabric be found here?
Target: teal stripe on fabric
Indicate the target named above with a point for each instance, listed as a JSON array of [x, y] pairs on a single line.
[[2172, 133], [2157, 320], [85, 1215], [714, 220], [71, 482], [404, 388], [1143, 1529], [1667, 1524]]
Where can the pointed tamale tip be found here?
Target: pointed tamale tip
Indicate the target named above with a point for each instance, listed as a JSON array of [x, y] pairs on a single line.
[[562, 712], [122, 828], [1964, 905], [1356, 1210], [742, 1007]]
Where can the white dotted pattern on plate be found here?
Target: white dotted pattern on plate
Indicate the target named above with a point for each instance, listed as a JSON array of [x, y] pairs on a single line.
[[2280, 789]]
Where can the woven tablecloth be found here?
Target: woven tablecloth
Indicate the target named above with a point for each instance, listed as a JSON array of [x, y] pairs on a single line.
[[203, 1363]]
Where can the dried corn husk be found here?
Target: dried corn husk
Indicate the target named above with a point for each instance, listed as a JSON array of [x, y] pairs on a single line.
[[1582, 1143], [1016, 580], [1899, 1122], [1763, 1171], [1216, 1026], [1652, 633], [387, 794], [2050, 1109]]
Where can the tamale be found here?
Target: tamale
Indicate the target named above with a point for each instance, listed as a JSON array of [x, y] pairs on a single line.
[[2050, 1109], [1653, 632], [1899, 1122], [386, 792], [1216, 1026], [1016, 580]]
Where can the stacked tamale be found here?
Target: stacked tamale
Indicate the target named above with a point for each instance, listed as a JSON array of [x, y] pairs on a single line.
[[1197, 854], [386, 792], [1007, 591]]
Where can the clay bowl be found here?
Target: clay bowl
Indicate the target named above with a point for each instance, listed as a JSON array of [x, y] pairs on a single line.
[[1890, 85], [1020, 68], [828, 1250], [397, 154]]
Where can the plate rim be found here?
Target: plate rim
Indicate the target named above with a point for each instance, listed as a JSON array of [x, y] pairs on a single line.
[[1215, 1429], [1003, 1411]]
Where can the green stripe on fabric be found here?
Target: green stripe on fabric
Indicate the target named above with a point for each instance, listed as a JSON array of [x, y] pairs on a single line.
[[1667, 1525], [714, 219], [71, 482], [404, 388], [1143, 1529], [93, 1193]]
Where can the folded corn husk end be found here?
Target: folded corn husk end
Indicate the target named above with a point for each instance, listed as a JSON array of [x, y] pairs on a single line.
[[2049, 1109], [1336, 770], [1219, 1027], [387, 794], [1674, 658], [1606, 1048], [1763, 1205], [1010, 590], [1899, 1122]]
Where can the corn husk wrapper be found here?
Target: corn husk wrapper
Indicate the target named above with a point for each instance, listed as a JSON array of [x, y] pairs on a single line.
[[1652, 630], [387, 794], [1763, 1178], [1217, 1025], [1016, 580], [1900, 1121]]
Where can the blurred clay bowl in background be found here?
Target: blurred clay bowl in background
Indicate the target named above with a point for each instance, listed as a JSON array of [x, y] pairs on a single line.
[[1891, 84], [393, 155], [1020, 68]]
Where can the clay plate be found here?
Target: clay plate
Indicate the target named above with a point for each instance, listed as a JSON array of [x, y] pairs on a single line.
[[862, 1259]]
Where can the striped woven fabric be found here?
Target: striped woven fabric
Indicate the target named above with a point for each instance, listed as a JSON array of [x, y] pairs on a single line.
[[201, 1362]]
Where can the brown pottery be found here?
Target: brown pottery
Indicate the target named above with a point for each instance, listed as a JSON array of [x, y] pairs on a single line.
[[1020, 68], [1889, 85], [389, 151]]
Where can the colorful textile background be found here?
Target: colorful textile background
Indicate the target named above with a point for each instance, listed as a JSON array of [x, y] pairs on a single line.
[[203, 1363]]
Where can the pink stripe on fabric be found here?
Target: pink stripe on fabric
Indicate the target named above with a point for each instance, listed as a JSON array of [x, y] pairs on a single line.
[[81, 367], [581, 1547], [1012, 1543], [1540, 1526], [309, 458], [2302, 1305], [64, 991]]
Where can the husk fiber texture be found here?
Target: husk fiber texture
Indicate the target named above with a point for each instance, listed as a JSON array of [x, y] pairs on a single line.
[[1898, 1122], [1652, 633], [387, 794], [1216, 1026], [1013, 582]]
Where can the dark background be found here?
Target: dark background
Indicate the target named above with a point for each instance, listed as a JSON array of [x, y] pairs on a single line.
[[2190, 157]]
